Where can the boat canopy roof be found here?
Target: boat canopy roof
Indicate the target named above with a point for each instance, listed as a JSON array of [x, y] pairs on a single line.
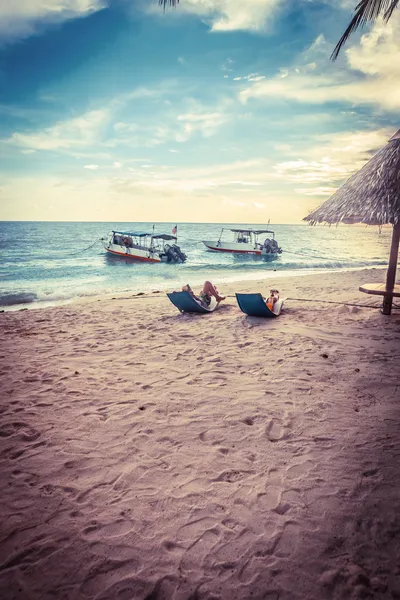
[[256, 231], [164, 236], [160, 236], [134, 234]]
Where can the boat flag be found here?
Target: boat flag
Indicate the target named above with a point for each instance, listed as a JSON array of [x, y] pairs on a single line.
[[175, 230]]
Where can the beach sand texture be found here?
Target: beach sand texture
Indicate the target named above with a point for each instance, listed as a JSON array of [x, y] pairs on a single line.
[[151, 455]]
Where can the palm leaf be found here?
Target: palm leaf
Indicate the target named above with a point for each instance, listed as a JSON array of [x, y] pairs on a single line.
[[366, 10], [164, 3]]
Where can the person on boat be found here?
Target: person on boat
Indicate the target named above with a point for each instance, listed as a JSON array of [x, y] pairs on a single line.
[[209, 291], [273, 297]]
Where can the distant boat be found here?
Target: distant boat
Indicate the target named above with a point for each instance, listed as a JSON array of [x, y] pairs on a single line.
[[245, 241], [145, 247]]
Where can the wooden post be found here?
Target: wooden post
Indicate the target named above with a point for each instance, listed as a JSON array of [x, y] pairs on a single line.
[[391, 272]]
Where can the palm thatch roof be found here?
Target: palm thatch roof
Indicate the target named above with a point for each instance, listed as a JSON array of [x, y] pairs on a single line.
[[371, 196]]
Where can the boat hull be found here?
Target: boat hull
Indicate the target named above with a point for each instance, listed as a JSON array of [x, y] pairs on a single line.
[[134, 254], [234, 248]]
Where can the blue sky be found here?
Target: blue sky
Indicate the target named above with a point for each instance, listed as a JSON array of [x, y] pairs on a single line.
[[220, 110]]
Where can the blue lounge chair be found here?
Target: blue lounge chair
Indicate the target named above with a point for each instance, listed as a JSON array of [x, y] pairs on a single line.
[[186, 303], [254, 306]]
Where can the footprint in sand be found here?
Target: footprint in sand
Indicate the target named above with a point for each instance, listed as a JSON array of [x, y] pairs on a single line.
[[103, 531], [105, 574], [274, 431], [232, 476], [194, 557], [269, 499], [288, 541], [194, 530], [300, 469]]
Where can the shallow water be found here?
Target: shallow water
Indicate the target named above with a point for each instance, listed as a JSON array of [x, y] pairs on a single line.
[[48, 262]]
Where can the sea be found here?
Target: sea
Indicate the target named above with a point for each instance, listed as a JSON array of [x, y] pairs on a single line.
[[47, 263]]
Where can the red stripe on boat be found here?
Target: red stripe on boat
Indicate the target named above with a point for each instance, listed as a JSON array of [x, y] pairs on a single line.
[[237, 251], [140, 258]]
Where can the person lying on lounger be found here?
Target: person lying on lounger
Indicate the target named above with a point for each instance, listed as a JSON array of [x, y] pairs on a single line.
[[209, 291], [273, 297]]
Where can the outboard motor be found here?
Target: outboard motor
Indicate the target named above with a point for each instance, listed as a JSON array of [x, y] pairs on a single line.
[[181, 256], [275, 248], [174, 253]]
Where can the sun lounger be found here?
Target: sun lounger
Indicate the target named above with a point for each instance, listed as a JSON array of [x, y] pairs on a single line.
[[186, 303], [254, 306]]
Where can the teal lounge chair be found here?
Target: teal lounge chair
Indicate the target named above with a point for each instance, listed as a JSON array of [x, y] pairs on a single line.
[[254, 306], [186, 303]]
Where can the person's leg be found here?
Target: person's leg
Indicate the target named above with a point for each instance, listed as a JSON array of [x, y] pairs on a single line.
[[211, 290]]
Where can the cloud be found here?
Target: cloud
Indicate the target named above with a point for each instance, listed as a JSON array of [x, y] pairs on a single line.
[[203, 122], [331, 159], [72, 133], [316, 191], [20, 18], [251, 77], [174, 125], [91, 167], [105, 127], [195, 180], [372, 76], [229, 15]]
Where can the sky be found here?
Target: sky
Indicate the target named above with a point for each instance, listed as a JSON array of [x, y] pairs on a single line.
[[216, 111]]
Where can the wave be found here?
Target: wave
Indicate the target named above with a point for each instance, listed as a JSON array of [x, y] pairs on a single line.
[[18, 298], [287, 266], [172, 276]]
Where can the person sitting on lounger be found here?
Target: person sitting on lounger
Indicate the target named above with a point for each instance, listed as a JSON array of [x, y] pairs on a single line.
[[209, 291], [273, 297]]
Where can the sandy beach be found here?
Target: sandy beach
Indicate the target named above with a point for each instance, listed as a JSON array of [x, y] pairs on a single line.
[[152, 455]]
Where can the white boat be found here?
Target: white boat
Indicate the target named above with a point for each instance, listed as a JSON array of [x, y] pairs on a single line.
[[145, 247], [245, 241]]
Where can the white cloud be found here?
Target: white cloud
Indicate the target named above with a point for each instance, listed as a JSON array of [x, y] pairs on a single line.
[[89, 130], [175, 126], [72, 133], [331, 159], [206, 123], [228, 15], [316, 191], [376, 59], [19, 18], [251, 77], [91, 167], [379, 51]]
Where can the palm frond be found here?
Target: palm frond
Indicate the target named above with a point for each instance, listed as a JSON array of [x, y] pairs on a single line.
[[366, 11], [165, 3]]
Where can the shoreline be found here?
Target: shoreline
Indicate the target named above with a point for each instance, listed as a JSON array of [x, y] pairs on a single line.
[[253, 277]]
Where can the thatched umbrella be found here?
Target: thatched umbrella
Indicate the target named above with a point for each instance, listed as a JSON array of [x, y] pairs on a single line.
[[371, 196]]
